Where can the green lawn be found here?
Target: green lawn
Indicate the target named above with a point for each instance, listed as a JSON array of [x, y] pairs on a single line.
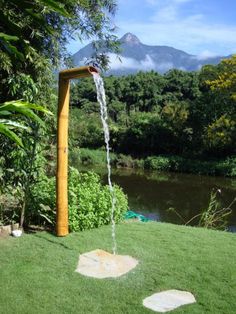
[[37, 271]]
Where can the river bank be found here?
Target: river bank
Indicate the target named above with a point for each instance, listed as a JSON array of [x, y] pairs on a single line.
[[161, 195], [220, 167]]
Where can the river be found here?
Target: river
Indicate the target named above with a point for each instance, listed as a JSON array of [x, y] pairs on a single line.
[[152, 193]]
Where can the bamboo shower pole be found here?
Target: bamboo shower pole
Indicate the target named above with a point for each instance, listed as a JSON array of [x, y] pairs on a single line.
[[62, 144]]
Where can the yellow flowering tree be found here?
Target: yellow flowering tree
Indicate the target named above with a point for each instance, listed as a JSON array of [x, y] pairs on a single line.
[[226, 78]]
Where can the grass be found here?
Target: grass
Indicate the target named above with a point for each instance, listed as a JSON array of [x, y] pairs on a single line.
[[88, 156], [38, 275]]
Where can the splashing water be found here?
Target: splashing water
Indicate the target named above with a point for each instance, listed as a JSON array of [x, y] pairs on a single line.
[[101, 97]]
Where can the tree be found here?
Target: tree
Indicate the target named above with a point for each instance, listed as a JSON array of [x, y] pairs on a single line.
[[32, 26], [220, 136], [34, 34], [219, 86], [225, 79], [181, 85]]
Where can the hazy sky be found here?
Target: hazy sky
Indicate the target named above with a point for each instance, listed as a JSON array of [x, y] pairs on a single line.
[[201, 27]]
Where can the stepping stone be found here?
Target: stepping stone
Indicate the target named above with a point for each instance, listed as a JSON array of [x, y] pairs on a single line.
[[168, 300], [101, 264]]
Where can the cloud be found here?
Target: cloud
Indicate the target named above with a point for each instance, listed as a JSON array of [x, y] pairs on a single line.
[[206, 54], [147, 64], [122, 63], [130, 63], [164, 66]]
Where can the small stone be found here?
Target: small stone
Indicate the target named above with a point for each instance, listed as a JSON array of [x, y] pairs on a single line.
[[16, 233], [101, 264], [168, 300]]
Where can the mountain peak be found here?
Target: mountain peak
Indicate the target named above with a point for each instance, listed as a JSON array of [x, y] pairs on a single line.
[[137, 56], [130, 38]]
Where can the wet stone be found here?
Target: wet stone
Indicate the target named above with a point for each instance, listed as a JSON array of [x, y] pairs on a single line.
[[101, 264]]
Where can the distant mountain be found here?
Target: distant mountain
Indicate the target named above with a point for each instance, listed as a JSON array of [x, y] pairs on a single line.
[[136, 56]]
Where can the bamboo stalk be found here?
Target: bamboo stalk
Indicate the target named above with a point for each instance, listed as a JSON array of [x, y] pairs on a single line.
[[77, 72], [62, 144]]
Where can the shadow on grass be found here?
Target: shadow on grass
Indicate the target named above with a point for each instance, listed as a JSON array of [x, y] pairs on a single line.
[[51, 240]]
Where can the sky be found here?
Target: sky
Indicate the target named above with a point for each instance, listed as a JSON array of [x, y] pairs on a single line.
[[200, 27]]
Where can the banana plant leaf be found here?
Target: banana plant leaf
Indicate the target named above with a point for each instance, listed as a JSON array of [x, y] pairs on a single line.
[[14, 124], [10, 134], [10, 108]]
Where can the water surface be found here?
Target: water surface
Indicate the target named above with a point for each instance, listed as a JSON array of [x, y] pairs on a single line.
[[152, 193]]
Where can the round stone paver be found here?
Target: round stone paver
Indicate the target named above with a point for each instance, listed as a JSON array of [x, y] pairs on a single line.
[[168, 300], [101, 264]]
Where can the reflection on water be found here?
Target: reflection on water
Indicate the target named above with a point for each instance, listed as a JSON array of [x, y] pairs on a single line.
[[152, 193]]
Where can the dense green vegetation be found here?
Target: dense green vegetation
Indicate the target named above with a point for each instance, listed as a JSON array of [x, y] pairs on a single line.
[[161, 121], [173, 163], [33, 38], [38, 270], [188, 114], [177, 122], [89, 201]]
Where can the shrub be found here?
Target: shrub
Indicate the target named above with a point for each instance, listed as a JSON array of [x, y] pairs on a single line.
[[139, 163], [227, 167], [89, 201], [157, 163], [9, 205], [124, 161], [86, 156], [42, 204]]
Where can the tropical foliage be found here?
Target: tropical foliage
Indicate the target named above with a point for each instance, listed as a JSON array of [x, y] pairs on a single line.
[[225, 79], [159, 120], [8, 111], [33, 38], [178, 113]]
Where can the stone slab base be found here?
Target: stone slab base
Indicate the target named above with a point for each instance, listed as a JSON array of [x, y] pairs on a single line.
[[101, 264]]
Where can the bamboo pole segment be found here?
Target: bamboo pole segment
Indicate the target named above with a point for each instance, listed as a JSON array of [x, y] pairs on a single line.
[[62, 144]]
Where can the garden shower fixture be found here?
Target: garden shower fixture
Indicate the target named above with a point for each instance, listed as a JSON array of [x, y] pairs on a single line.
[[62, 144]]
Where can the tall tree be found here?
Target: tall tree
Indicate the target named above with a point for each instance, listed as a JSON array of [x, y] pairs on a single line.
[[34, 34], [224, 79]]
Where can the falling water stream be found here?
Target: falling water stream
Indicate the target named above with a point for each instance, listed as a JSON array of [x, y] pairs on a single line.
[[101, 97]]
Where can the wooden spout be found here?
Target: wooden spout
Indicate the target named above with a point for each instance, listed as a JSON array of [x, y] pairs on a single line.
[[77, 73], [62, 144]]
